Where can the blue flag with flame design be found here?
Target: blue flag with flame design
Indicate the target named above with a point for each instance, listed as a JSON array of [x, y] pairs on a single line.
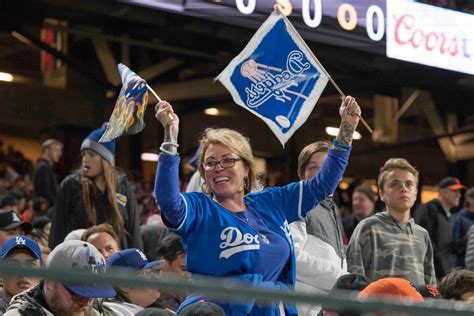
[[129, 110], [276, 77]]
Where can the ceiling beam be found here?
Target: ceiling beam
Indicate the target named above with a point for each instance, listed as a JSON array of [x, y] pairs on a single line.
[[74, 63], [107, 60], [160, 68], [437, 125], [190, 89]]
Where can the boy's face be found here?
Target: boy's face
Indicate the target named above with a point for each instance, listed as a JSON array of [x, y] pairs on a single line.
[[399, 190], [468, 297], [14, 285], [315, 163]]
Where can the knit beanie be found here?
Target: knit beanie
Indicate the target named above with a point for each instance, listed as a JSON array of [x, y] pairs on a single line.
[[105, 150]]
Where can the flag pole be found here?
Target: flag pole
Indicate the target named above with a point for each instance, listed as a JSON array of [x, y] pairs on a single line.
[[288, 23], [159, 99], [154, 93]]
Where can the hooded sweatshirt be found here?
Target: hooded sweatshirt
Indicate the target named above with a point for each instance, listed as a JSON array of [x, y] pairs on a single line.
[[381, 247]]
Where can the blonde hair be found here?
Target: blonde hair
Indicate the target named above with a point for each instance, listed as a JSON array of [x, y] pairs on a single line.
[[101, 228], [48, 143], [307, 152], [395, 164], [237, 143], [112, 213]]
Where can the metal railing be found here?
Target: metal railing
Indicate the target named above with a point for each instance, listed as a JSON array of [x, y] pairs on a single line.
[[224, 288]]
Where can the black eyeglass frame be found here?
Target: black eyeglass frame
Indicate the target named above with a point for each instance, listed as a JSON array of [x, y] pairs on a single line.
[[224, 165]]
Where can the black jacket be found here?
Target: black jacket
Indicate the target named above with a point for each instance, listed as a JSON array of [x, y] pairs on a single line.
[[45, 181], [152, 235], [69, 213], [433, 218], [350, 223]]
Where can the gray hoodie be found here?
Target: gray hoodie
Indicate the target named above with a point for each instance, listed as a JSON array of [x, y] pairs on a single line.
[[382, 247]]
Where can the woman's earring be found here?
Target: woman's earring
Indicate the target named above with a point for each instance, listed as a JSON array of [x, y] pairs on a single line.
[[246, 184]]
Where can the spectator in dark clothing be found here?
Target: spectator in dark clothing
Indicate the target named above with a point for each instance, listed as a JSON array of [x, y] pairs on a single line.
[[461, 222], [434, 217], [133, 299], [152, 235], [171, 250], [11, 225], [19, 199], [53, 297], [363, 204], [8, 203], [40, 208], [45, 181], [95, 194]]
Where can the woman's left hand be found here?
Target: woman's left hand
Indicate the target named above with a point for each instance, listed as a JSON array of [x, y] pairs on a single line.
[[350, 111]]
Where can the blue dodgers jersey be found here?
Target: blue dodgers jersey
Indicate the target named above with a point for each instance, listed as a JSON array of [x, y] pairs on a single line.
[[218, 243]]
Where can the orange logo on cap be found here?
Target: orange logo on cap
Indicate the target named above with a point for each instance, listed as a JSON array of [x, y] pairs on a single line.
[[433, 290]]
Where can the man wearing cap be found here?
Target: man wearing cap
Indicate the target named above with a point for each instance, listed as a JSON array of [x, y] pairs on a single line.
[[132, 300], [434, 217], [22, 251], [11, 225], [95, 194], [58, 298]]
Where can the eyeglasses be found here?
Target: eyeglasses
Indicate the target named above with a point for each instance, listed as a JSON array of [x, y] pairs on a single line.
[[225, 163]]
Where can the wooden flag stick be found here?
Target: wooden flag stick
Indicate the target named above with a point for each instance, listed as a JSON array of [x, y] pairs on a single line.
[[277, 8]]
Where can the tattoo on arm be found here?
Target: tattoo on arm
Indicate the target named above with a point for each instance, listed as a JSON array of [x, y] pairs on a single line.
[[345, 134], [172, 137]]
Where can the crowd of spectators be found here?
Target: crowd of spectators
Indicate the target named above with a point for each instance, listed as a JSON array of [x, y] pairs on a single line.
[[357, 249]]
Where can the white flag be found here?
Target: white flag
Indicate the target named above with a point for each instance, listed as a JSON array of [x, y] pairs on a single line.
[[276, 77]]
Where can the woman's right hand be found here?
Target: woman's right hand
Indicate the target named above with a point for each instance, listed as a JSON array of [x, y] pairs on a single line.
[[164, 113]]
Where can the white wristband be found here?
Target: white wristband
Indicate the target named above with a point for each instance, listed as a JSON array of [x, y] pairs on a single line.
[[170, 144], [168, 152]]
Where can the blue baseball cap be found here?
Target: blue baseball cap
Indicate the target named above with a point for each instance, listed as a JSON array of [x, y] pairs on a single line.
[[81, 255], [131, 258], [20, 242]]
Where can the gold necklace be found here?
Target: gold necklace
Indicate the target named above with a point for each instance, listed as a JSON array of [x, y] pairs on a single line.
[[247, 220]]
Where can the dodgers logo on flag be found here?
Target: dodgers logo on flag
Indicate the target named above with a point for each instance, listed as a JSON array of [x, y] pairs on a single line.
[[276, 77], [129, 110]]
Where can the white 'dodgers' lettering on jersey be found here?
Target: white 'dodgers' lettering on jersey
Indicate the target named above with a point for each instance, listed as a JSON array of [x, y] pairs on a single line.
[[234, 242]]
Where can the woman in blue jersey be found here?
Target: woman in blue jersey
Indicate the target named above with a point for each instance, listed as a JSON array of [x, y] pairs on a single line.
[[231, 230]]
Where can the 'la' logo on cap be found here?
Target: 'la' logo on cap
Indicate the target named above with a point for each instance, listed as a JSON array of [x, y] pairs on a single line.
[[20, 240], [15, 217], [142, 255]]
